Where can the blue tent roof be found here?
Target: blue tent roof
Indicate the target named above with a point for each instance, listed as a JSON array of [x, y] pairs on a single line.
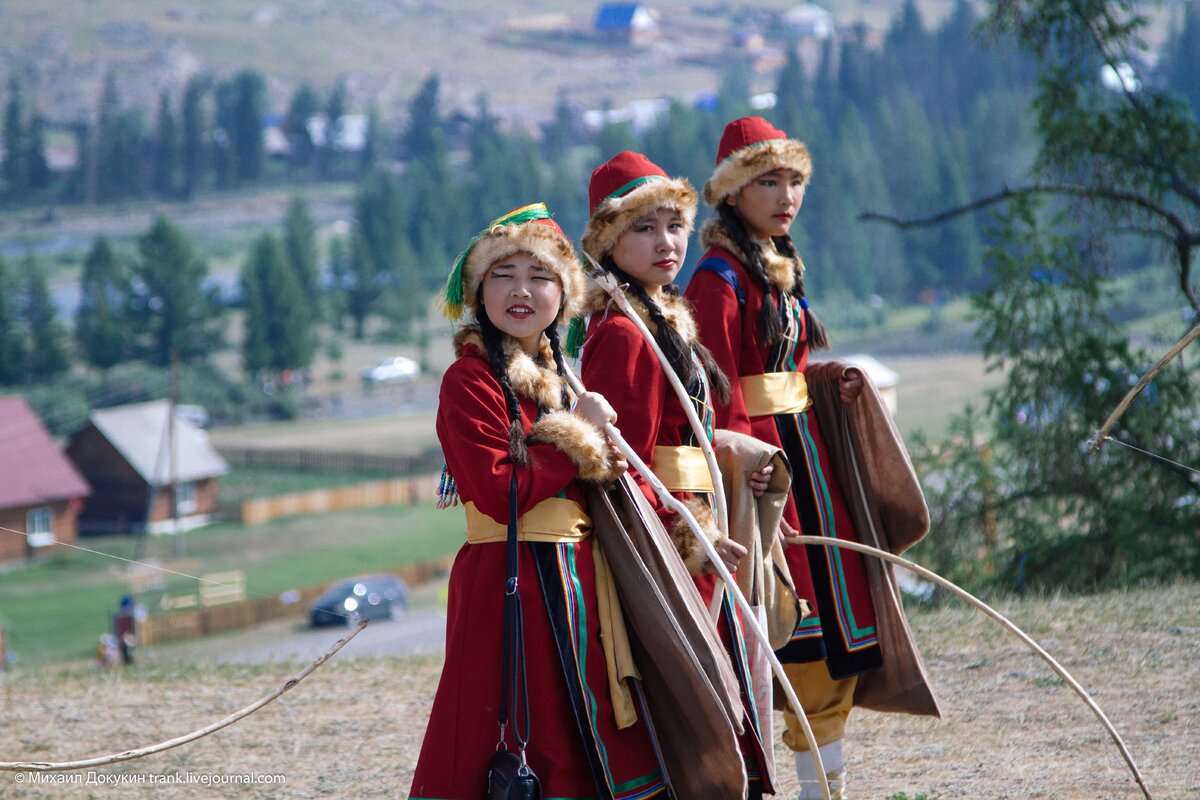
[[615, 16]]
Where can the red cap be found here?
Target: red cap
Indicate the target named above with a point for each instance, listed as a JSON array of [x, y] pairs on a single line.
[[745, 132], [619, 175]]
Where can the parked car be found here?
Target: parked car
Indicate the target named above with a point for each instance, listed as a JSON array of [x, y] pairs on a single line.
[[392, 370], [364, 597]]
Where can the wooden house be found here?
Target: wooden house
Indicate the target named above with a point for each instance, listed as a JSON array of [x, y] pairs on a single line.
[[145, 476], [41, 492]]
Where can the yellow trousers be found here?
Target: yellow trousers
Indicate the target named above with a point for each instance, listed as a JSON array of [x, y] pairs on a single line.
[[826, 703]]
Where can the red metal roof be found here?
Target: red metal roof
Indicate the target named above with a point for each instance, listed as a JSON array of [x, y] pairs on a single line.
[[32, 468]]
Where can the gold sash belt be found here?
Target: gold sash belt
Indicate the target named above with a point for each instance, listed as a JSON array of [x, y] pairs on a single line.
[[555, 519], [775, 393], [682, 469], [559, 520]]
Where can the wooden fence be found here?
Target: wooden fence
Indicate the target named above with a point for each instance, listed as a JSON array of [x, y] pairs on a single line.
[[332, 461], [419, 489], [194, 623]]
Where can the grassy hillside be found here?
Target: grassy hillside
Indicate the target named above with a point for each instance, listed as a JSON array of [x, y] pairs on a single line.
[[521, 56], [1010, 731]]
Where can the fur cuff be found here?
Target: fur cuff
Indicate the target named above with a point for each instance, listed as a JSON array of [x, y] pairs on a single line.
[[748, 163], [616, 214], [690, 550], [579, 440]]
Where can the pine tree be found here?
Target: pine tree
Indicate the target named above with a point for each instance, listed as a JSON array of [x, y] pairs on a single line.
[[37, 168], [170, 308], [108, 165], [15, 183], [13, 347], [223, 152], [195, 135], [48, 355], [166, 150], [250, 106], [339, 282], [300, 244], [279, 328], [304, 106], [101, 333], [335, 109], [371, 151], [423, 136]]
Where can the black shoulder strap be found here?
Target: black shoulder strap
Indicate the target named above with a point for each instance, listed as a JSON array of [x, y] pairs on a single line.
[[727, 273]]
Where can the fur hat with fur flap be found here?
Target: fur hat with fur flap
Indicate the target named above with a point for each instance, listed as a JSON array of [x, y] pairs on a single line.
[[626, 187], [749, 147], [524, 230]]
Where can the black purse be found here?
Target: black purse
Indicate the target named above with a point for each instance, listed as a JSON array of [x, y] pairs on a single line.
[[509, 775]]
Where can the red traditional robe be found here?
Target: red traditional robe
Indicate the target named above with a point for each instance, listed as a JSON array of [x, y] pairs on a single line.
[[472, 426], [620, 364], [842, 631]]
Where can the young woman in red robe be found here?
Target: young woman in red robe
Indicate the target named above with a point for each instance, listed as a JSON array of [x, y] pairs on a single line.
[[640, 223], [504, 409], [748, 296]]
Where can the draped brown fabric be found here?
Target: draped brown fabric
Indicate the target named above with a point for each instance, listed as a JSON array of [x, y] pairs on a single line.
[[889, 513], [689, 685]]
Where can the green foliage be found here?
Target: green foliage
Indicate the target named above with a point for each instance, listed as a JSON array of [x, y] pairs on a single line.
[[249, 106], [423, 137], [279, 331], [1182, 58], [300, 243], [305, 105], [13, 349], [167, 163], [195, 124], [170, 307], [1028, 506], [13, 171], [47, 355]]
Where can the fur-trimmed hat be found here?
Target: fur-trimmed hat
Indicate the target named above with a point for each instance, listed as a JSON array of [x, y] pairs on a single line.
[[624, 188], [528, 229], [749, 147]]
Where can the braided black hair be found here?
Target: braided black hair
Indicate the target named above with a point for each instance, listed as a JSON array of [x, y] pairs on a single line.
[[770, 320], [560, 366], [669, 341], [493, 342]]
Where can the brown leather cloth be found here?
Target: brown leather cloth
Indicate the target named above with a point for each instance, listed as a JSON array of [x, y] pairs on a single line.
[[889, 513], [691, 692], [763, 575]]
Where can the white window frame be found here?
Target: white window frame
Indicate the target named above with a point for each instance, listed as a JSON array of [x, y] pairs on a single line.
[[39, 526], [185, 497]]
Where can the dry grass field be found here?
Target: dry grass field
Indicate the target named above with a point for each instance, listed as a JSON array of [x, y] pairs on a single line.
[[353, 729]]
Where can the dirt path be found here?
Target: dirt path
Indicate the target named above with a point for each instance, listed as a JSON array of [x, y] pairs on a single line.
[[353, 729]]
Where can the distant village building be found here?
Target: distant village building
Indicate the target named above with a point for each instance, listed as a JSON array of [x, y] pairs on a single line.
[[808, 21], [625, 23], [143, 475], [42, 492]]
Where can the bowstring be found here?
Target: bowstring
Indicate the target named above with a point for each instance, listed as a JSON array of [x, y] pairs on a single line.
[[258, 595], [1155, 456]]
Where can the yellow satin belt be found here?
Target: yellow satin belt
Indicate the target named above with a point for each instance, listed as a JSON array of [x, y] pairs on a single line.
[[682, 469], [775, 393], [555, 519], [559, 520]]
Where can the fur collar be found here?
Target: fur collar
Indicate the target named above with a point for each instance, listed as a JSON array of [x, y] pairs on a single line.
[[781, 270], [675, 308], [530, 380]]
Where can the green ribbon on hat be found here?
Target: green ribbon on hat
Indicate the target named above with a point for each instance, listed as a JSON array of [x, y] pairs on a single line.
[[454, 285], [576, 333]]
